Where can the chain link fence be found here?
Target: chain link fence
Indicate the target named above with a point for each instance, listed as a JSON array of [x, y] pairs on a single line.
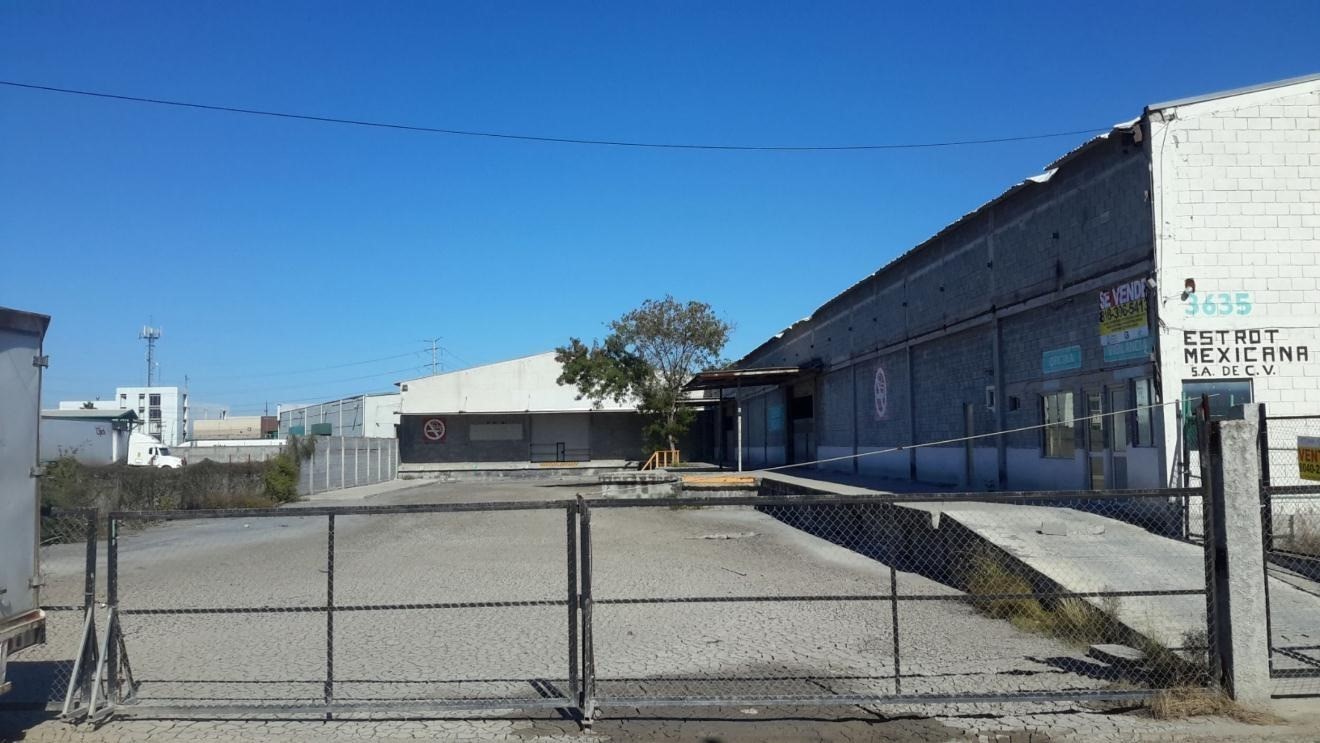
[[1290, 521], [40, 674], [786, 599], [343, 611], [921, 601]]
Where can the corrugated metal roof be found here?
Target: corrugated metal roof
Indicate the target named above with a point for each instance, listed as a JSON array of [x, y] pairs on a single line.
[[1030, 182]]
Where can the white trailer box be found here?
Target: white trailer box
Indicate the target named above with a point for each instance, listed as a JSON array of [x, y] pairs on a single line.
[[89, 436], [22, 622]]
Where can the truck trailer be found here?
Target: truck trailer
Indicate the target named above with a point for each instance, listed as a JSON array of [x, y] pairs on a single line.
[[22, 622]]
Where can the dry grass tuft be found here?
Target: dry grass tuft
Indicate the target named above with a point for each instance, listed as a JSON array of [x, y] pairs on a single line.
[[1183, 702]]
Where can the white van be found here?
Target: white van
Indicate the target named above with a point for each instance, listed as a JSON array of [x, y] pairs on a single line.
[[145, 450]]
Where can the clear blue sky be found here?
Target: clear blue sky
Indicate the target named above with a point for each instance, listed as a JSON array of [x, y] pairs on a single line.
[[265, 246]]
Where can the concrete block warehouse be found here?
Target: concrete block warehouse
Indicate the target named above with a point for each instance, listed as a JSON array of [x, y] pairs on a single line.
[[1173, 256]]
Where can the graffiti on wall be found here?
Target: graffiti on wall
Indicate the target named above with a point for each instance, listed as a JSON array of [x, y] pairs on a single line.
[[881, 385], [1124, 332], [1240, 353]]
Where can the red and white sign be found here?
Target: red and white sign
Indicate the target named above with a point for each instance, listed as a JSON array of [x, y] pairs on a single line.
[[433, 430]]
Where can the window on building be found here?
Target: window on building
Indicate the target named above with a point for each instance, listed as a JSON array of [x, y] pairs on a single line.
[[155, 401], [1143, 418], [1058, 438]]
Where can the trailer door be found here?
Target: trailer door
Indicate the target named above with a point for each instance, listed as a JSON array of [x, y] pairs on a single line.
[[20, 411]]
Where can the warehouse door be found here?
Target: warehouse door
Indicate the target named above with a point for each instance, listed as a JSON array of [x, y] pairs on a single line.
[[1106, 437], [1096, 451], [561, 437], [802, 428]]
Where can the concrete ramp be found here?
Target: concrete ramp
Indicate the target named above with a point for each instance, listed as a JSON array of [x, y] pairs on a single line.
[[1083, 552]]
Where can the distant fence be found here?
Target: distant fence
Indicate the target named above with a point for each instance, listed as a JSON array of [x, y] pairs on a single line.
[[348, 461]]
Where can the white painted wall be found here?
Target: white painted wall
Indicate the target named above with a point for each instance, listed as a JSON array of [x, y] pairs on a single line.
[[515, 386], [1236, 199]]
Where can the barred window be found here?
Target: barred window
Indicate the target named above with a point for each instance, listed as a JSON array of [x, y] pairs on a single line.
[[1058, 439]]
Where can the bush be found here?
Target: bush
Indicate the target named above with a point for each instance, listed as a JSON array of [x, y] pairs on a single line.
[[117, 487], [281, 479], [282, 472]]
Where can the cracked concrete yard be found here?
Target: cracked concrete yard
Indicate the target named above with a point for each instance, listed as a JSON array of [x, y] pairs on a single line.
[[646, 644]]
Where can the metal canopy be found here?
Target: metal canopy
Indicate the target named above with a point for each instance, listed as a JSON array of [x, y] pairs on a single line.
[[725, 378]]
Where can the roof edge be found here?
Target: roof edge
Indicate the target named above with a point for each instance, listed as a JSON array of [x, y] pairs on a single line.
[[1202, 98]]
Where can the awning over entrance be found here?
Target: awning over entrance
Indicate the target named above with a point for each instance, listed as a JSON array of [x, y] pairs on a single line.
[[772, 375]]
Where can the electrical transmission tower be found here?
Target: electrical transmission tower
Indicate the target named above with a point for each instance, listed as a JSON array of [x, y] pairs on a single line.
[[436, 359]]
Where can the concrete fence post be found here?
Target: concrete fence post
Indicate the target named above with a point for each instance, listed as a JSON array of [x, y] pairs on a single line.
[[1239, 586]]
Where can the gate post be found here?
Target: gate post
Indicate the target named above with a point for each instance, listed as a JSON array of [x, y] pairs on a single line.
[[574, 685], [1242, 639], [588, 644]]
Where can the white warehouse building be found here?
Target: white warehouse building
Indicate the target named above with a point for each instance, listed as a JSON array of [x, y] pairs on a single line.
[[512, 415], [372, 415]]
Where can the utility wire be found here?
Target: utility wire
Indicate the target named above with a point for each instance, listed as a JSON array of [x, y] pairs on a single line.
[[540, 138], [310, 370]]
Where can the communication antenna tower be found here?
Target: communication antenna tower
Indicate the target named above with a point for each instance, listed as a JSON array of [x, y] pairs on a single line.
[[150, 335]]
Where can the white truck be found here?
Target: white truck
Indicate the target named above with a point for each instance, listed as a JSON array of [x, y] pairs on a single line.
[[145, 450], [22, 622]]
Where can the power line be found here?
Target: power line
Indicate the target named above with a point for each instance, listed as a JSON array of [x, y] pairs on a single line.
[[320, 381], [313, 369], [541, 138]]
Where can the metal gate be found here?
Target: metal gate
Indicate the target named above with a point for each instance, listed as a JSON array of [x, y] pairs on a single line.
[[576, 604], [1290, 526]]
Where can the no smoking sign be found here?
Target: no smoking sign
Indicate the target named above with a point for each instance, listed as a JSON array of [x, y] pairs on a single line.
[[433, 430]]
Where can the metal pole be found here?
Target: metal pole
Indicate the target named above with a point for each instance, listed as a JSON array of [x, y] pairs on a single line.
[[89, 581], [1266, 501], [893, 604], [1267, 526], [969, 452], [1206, 440], [588, 645], [330, 616], [357, 458], [738, 402], [574, 688], [112, 600], [342, 453]]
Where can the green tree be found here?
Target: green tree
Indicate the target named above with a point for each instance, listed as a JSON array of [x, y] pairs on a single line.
[[649, 354]]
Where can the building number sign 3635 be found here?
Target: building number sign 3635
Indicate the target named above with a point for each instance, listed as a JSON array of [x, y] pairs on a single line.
[[1218, 304]]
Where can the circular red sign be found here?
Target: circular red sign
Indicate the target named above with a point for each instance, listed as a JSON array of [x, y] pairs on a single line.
[[881, 394], [434, 429]]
